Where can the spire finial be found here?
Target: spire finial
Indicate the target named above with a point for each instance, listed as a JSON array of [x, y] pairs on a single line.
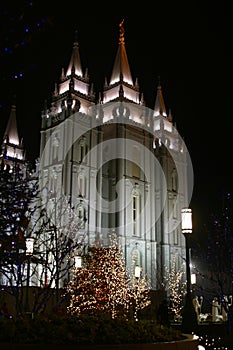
[[76, 36], [159, 81], [122, 32]]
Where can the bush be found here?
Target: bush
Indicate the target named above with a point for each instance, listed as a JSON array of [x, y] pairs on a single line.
[[85, 331]]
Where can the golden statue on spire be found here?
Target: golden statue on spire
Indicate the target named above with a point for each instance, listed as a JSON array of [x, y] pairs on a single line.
[[122, 32]]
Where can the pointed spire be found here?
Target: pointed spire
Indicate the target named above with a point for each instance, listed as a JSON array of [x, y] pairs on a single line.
[[62, 74], [11, 131], [142, 101], [121, 64], [55, 93], [170, 118], [99, 98], [86, 74], [92, 89], [159, 108], [75, 61], [105, 82], [12, 147]]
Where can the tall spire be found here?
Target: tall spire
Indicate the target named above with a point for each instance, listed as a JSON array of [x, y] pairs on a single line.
[[75, 62], [159, 108], [12, 149], [121, 68], [11, 132]]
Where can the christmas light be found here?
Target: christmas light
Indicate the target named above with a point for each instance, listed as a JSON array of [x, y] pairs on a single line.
[[103, 284]]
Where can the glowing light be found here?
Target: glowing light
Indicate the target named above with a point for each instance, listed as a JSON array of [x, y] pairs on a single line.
[[103, 284], [137, 271], [78, 261], [193, 278], [29, 246], [186, 220]]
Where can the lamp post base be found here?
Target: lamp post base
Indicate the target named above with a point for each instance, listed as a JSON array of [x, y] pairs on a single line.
[[189, 316]]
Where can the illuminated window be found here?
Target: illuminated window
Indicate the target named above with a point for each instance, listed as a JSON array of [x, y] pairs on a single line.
[[135, 213]]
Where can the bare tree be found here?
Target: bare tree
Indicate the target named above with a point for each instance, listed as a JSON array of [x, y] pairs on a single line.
[[47, 266]]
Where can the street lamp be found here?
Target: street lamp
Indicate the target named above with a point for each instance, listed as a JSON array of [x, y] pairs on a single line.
[[137, 273], [193, 278], [189, 316], [78, 261], [186, 227], [29, 252]]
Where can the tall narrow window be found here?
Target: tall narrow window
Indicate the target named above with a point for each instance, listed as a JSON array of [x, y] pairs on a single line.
[[135, 214], [54, 181], [80, 213], [81, 186], [175, 237], [136, 258], [175, 208], [135, 166], [174, 181], [55, 147], [82, 150], [81, 216]]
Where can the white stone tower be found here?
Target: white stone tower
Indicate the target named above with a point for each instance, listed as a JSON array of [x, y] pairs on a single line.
[[121, 166]]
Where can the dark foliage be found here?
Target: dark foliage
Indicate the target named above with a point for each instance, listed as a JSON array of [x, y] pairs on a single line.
[[84, 331]]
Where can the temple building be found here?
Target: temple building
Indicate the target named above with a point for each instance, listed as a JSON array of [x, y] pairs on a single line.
[[120, 166]]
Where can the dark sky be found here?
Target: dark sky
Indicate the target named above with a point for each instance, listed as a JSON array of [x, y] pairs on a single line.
[[187, 43]]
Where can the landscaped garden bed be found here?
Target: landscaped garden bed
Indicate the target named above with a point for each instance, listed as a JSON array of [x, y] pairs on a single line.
[[85, 333]]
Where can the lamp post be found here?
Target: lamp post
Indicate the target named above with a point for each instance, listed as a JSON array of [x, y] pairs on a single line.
[[29, 252], [137, 273], [57, 265], [189, 316]]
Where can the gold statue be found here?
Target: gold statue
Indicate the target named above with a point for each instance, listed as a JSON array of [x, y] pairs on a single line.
[[122, 32]]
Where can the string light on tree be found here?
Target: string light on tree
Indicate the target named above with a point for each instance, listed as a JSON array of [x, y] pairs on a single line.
[[175, 287], [102, 284]]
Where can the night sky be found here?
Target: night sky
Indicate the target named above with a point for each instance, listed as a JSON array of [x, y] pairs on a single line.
[[187, 44]]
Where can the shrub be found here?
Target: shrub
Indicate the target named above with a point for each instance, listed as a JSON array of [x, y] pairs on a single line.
[[85, 331]]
